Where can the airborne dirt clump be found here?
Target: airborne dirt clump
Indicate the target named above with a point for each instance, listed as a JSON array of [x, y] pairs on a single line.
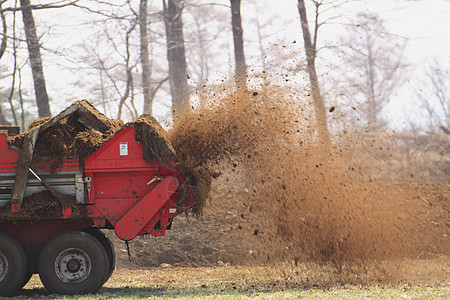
[[281, 196], [228, 130]]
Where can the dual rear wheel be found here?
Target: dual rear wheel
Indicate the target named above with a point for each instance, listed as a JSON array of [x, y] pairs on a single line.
[[72, 262], [76, 262], [108, 245], [13, 264]]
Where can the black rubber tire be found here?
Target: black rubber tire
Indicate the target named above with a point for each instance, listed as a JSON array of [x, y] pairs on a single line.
[[13, 265], [73, 262], [109, 247]]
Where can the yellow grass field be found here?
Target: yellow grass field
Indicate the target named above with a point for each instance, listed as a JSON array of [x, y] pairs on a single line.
[[427, 279]]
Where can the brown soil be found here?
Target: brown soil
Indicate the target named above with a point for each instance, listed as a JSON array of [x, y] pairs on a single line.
[[154, 140], [231, 230], [71, 137], [43, 205], [282, 197]]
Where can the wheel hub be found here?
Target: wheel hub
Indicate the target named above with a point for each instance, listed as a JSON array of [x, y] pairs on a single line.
[[3, 266], [73, 266]]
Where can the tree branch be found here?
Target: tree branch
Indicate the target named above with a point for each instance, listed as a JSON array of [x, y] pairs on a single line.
[[4, 34], [39, 6]]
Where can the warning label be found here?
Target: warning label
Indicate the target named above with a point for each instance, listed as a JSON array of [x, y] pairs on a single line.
[[123, 149]]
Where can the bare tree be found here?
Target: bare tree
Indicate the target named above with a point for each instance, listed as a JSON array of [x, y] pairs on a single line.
[[2, 51], [13, 75], [207, 41], [128, 70], [200, 42], [176, 56], [145, 60], [111, 56], [203, 56], [3, 119], [13, 92], [311, 52], [34, 47], [238, 41], [34, 53], [259, 31], [434, 97], [4, 31], [373, 60]]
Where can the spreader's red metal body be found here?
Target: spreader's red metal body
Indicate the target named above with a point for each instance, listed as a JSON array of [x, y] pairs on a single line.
[[122, 191], [116, 188], [130, 194]]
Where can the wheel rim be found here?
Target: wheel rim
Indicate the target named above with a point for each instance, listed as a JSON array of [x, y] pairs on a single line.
[[3, 266], [73, 266]]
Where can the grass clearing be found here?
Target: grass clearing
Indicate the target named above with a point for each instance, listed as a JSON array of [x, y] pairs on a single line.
[[263, 282]]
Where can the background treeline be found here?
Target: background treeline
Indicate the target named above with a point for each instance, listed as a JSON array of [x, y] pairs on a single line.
[[161, 56]]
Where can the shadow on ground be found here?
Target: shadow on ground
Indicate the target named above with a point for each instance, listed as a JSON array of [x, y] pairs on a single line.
[[161, 292]]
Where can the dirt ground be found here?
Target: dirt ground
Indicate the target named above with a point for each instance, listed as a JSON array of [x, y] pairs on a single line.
[[223, 236], [284, 281]]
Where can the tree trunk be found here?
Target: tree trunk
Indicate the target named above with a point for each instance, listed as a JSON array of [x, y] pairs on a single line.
[[4, 31], [176, 56], [310, 50], [373, 106], [3, 120], [145, 60], [35, 60], [129, 84], [238, 41]]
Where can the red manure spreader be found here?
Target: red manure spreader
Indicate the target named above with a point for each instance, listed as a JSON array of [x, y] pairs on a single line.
[[53, 205]]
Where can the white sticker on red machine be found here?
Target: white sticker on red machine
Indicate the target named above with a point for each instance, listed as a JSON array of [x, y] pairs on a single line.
[[123, 148]]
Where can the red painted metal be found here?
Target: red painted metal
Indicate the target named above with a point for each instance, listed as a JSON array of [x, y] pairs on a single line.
[[66, 212], [124, 191], [163, 217], [15, 208], [122, 179], [136, 219], [9, 159], [32, 232], [112, 209]]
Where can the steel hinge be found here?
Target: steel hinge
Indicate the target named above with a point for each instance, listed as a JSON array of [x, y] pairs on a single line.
[[80, 178], [84, 180]]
